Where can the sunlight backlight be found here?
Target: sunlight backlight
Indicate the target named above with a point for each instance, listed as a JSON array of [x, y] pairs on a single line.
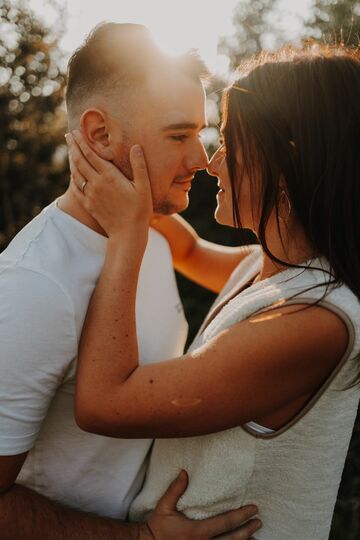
[[177, 26]]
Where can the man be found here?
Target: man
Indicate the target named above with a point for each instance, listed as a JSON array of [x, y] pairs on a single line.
[[71, 484]]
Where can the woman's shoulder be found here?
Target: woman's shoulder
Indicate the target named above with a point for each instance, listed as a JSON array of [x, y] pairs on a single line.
[[316, 284], [310, 284]]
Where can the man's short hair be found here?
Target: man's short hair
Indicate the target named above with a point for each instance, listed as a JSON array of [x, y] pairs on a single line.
[[117, 57]]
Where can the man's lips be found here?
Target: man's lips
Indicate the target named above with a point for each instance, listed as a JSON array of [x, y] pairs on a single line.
[[184, 180], [184, 183]]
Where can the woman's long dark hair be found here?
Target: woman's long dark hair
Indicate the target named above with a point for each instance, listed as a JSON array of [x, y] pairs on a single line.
[[295, 114]]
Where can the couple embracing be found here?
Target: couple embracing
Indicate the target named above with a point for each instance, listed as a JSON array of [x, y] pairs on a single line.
[[261, 408]]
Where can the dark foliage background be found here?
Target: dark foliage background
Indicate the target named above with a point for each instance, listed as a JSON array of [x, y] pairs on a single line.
[[33, 165], [32, 153]]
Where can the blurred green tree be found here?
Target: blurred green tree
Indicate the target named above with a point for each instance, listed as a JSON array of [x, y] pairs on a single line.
[[32, 150], [252, 23], [263, 24], [335, 22]]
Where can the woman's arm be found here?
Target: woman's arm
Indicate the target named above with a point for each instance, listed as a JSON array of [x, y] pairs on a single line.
[[208, 264], [253, 368], [249, 371]]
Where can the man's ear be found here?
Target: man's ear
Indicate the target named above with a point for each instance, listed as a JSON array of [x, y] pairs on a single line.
[[94, 126]]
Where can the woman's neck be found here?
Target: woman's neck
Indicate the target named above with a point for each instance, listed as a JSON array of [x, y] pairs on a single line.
[[291, 246]]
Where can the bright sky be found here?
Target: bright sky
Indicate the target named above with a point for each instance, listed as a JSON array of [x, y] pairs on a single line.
[[177, 25]]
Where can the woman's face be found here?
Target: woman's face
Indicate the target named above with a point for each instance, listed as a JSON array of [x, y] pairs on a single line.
[[224, 210]]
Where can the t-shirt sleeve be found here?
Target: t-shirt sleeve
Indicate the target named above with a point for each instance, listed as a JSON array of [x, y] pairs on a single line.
[[37, 344]]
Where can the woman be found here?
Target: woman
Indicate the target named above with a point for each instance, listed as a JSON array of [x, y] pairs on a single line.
[[274, 365]]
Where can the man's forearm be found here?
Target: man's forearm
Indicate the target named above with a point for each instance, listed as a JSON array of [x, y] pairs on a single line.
[[26, 515]]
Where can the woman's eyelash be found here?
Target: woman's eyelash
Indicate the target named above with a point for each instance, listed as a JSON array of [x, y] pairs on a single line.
[[222, 147]]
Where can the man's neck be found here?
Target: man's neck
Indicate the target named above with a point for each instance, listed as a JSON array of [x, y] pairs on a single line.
[[68, 204]]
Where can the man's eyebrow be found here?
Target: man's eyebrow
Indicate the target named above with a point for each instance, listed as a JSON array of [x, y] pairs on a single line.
[[182, 125]]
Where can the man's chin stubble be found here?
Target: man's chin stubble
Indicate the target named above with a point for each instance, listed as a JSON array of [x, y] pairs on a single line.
[[166, 208]]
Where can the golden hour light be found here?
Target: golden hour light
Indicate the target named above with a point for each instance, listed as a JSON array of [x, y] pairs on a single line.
[[179, 269], [177, 26]]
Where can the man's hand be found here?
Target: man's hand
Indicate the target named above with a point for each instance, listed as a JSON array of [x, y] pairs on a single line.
[[166, 523]]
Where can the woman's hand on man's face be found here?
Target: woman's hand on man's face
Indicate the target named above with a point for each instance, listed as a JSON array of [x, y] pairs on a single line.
[[113, 200]]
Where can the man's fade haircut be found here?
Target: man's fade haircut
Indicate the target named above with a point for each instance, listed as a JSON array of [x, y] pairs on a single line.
[[118, 57]]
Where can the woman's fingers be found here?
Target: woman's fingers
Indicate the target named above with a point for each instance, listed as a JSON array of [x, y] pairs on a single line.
[[139, 168], [77, 180], [141, 181], [76, 190], [104, 191], [79, 166], [97, 163]]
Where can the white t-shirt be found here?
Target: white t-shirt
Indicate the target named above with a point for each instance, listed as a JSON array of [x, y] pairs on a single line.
[[47, 275]]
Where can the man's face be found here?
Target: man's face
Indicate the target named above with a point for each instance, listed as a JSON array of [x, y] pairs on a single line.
[[165, 119]]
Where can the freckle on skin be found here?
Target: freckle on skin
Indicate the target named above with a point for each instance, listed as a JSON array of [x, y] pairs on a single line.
[[114, 337], [151, 381]]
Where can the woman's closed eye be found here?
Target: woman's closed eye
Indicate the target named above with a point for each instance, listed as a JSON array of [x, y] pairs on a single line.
[[221, 151]]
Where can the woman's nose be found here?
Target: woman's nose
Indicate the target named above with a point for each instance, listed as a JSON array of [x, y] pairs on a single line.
[[214, 164]]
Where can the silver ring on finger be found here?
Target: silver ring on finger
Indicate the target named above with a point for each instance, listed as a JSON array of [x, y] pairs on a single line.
[[83, 186]]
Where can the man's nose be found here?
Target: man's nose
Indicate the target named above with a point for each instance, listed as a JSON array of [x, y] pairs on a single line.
[[198, 159]]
